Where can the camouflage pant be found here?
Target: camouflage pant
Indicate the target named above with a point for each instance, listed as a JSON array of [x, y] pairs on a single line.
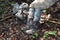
[[34, 13]]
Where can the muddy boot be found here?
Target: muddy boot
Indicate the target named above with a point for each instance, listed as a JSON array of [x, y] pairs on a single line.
[[36, 25], [29, 25], [34, 28]]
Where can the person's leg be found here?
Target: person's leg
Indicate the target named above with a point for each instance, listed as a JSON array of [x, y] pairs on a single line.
[[29, 19], [35, 23], [30, 16], [19, 15], [37, 14], [37, 18]]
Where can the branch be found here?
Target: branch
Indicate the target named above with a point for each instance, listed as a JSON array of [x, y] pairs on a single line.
[[54, 22], [6, 18]]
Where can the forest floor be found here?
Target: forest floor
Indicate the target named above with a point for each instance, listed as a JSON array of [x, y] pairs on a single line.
[[10, 28]]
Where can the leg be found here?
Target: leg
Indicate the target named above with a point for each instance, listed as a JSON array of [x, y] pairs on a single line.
[[30, 16], [19, 15], [29, 20], [37, 18], [33, 22], [37, 14]]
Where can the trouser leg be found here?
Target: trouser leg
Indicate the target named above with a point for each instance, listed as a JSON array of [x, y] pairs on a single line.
[[29, 19], [19, 14], [36, 19], [37, 14], [32, 21], [35, 23], [30, 16]]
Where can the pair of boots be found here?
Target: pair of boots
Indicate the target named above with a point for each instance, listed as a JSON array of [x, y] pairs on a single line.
[[31, 27]]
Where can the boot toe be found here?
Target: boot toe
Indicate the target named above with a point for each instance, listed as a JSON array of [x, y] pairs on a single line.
[[30, 31]]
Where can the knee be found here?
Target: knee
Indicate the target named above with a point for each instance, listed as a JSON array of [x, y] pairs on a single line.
[[30, 16], [31, 13]]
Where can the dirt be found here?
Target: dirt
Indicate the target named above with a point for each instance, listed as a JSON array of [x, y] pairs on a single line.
[[10, 29]]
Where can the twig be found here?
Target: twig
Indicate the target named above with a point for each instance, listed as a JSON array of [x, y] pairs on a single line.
[[6, 18], [47, 24], [54, 22], [55, 19]]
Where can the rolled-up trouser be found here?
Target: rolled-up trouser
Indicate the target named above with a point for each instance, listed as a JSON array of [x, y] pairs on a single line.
[[20, 14], [34, 13]]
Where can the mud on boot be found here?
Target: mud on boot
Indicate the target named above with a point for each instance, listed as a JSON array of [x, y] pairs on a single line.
[[33, 28], [28, 26]]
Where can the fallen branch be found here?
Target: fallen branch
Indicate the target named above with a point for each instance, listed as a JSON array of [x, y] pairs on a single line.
[[54, 22], [6, 18], [55, 19], [47, 24]]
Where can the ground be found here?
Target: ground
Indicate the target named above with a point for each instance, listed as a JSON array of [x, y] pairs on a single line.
[[10, 27]]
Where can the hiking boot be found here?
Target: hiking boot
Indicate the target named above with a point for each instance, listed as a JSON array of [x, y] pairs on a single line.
[[28, 26], [31, 31], [33, 28]]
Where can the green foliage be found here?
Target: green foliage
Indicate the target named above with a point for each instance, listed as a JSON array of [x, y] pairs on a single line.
[[35, 35], [49, 33], [45, 34], [58, 15], [4, 4], [52, 32], [12, 2]]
